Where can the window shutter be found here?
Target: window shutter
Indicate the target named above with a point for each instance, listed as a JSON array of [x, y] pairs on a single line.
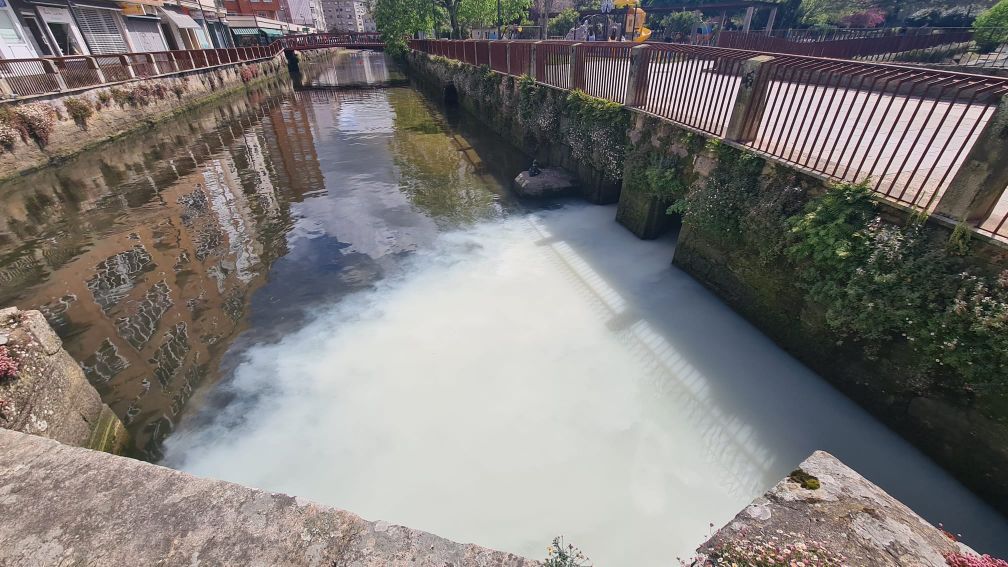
[[100, 29]]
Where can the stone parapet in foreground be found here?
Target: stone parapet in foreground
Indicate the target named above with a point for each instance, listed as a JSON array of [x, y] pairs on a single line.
[[50, 396], [846, 514], [67, 505]]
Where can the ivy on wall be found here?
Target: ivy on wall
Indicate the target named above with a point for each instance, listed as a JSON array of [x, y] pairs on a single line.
[[879, 284]]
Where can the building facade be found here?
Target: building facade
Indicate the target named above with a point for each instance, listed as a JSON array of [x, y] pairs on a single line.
[[347, 16], [303, 13], [262, 8], [43, 28]]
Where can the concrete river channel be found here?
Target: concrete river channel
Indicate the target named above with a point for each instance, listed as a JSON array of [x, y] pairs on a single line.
[[331, 292]]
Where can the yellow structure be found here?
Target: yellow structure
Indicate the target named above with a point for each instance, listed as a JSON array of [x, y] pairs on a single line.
[[635, 19]]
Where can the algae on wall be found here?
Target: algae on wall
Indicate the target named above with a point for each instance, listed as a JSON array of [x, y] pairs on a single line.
[[585, 135], [904, 319]]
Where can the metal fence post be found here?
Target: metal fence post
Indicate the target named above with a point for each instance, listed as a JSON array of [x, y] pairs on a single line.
[[51, 69], [93, 63], [5, 89], [978, 184], [124, 60], [576, 79], [636, 85], [153, 64], [507, 57], [533, 72], [750, 101]]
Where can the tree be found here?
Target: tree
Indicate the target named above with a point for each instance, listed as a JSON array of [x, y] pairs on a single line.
[[680, 24], [473, 13], [563, 22], [397, 20], [991, 27]]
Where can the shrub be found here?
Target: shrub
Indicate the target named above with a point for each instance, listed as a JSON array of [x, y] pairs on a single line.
[[785, 550], [870, 18], [681, 23], [104, 97], [249, 72], [722, 201], [563, 22], [8, 366], [36, 121], [560, 555], [8, 136], [79, 109], [120, 96], [971, 560], [880, 283], [991, 27]]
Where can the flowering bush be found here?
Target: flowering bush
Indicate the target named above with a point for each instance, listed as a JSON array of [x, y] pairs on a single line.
[[140, 94], [79, 109], [35, 120], [756, 551], [249, 72], [8, 135], [8, 366], [560, 555], [970, 560], [870, 18]]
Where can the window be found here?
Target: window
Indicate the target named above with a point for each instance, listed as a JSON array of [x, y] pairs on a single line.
[[8, 32]]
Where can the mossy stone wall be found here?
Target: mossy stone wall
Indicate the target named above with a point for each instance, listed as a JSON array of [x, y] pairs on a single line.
[[582, 134], [663, 165]]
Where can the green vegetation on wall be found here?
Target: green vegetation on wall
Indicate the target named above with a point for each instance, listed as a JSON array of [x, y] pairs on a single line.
[[881, 286], [991, 27], [597, 132]]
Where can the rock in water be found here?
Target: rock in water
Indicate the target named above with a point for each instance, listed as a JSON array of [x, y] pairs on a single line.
[[550, 181]]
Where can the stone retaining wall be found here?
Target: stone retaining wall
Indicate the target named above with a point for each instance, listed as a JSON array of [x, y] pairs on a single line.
[[69, 506], [660, 161], [118, 109], [828, 505], [50, 396]]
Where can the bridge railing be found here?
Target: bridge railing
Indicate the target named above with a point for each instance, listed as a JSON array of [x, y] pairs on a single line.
[[907, 130], [38, 76]]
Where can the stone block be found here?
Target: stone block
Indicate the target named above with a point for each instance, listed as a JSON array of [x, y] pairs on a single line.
[[846, 514], [550, 181]]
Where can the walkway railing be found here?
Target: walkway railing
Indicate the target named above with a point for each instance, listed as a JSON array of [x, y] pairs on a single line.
[[29, 77], [908, 130], [984, 49]]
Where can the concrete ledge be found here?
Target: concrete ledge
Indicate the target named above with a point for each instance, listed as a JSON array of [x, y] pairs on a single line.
[[51, 397], [66, 505], [847, 514]]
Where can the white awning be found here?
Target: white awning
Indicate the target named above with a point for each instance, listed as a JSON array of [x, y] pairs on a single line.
[[181, 21]]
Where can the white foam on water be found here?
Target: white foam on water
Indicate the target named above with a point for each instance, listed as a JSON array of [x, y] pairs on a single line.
[[541, 375]]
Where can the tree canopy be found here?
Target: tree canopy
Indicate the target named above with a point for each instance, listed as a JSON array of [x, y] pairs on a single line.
[[399, 19]]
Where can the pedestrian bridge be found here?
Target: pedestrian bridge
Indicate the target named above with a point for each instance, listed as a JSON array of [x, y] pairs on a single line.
[[325, 40]]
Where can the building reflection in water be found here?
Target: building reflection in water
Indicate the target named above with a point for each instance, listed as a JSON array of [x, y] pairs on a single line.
[[143, 256]]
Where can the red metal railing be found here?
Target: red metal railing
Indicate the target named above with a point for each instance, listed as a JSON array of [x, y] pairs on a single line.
[[691, 85], [948, 46], [30, 77], [905, 129], [553, 63], [601, 69]]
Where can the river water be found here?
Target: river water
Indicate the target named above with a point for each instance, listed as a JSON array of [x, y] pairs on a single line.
[[332, 293]]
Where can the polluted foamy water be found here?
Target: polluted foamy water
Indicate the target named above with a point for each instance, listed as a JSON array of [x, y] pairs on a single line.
[[538, 375]]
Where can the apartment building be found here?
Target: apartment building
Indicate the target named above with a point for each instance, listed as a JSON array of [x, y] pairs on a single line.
[[347, 16], [303, 13]]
